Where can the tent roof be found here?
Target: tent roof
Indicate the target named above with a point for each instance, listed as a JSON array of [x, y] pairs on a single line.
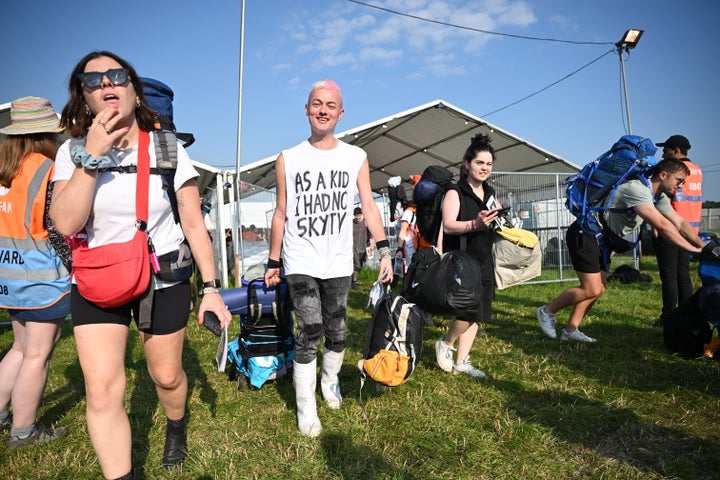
[[436, 133]]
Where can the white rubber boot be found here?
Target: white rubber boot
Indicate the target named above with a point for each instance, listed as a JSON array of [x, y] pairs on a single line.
[[305, 380], [329, 382]]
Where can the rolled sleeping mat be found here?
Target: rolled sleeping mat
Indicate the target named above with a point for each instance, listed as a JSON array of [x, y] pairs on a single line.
[[239, 300]]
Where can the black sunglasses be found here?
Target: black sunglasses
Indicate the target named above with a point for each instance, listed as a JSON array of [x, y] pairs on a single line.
[[117, 76]]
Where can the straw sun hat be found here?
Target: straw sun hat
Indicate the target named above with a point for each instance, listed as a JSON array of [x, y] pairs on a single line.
[[32, 115]]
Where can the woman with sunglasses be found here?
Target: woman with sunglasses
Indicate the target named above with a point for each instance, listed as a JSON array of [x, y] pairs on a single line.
[[107, 111]]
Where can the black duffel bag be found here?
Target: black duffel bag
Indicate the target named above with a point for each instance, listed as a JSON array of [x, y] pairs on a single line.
[[447, 284]]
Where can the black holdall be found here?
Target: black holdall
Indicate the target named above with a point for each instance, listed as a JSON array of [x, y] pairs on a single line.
[[444, 284]]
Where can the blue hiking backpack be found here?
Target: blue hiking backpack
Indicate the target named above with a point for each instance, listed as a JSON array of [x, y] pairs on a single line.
[[592, 190], [159, 97]]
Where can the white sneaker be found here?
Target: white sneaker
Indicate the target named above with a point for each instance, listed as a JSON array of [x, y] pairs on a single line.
[[467, 368], [577, 336], [444, 355], [546, 321]]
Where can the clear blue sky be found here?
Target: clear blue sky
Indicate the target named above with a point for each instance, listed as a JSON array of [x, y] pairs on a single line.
[[387, 63]]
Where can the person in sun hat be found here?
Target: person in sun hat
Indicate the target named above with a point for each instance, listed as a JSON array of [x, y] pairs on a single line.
[[37, 301], [95, 185], [30, 115], [674, 262]]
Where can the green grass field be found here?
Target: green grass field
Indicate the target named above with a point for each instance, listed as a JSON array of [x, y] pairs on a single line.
[[619, 409]]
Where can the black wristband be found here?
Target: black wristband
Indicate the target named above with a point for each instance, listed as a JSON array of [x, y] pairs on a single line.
[[212, 284], [383, 243], [275, 263]]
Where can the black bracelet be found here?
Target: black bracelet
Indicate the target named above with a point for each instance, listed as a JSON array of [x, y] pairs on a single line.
[[212, 284], [382, 243], [275, 263]]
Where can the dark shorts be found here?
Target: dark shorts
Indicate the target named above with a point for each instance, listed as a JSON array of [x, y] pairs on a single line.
[[585, 251], [359, 260], [59, 309], [170, 310]]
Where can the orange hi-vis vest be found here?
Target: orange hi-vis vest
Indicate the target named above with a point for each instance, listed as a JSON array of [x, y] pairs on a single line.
[[32, 275], [688, 198]]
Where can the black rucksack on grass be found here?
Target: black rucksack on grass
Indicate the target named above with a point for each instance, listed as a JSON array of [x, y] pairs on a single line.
[[686, 330], [393, 343]]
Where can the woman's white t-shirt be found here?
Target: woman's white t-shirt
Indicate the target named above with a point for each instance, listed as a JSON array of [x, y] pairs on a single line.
[[112, 217]]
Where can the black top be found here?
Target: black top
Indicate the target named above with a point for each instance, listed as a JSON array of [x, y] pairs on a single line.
[[479, 243]]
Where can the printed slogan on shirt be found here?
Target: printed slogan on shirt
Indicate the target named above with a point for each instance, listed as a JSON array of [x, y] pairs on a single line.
[[322, 202]]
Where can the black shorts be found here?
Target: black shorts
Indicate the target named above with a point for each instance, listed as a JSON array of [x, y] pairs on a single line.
[[170, 310], [585, 252], [359, 260]]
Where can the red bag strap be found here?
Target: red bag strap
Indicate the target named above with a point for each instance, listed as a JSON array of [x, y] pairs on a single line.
[[143, 176]]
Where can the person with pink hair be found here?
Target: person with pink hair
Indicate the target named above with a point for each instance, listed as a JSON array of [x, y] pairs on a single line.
[[312, 227]]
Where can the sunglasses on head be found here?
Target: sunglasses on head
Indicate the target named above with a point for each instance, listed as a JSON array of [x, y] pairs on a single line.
[[117, 76]]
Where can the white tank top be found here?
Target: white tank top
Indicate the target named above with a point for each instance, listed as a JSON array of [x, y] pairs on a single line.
[[321, 190]]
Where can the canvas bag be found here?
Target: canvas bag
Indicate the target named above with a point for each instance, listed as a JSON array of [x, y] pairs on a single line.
[[115, 274], [517, 256]]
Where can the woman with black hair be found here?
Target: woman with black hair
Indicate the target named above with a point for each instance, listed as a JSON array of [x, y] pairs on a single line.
[[468, 213]]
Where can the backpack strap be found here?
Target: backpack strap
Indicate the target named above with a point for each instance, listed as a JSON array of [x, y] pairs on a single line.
[[254, 307], [166, 155], [281, 307]]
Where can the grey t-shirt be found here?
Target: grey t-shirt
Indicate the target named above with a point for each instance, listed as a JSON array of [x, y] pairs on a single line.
[[628, 195]]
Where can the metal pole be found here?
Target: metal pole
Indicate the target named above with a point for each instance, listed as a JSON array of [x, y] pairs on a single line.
[[625, 90], [237, 235]]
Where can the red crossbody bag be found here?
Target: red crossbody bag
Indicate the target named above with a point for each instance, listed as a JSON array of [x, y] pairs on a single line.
[[117, 273]]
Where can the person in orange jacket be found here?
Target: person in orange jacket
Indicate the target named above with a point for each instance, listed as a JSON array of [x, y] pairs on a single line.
[[35, 283]]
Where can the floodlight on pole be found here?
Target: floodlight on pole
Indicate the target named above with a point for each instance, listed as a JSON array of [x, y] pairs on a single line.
[[628, 42]]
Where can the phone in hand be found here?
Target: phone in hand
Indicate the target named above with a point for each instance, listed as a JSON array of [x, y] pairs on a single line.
[[212, 323], [501, 211]]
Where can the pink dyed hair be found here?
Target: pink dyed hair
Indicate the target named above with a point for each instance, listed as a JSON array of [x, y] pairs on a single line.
[[327, 85]]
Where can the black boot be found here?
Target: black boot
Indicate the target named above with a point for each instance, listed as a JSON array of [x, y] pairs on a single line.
[[175, 443], [128, 476]]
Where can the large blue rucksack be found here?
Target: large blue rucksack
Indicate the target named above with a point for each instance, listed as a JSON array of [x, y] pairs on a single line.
[[592, 190], [159, 97]]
